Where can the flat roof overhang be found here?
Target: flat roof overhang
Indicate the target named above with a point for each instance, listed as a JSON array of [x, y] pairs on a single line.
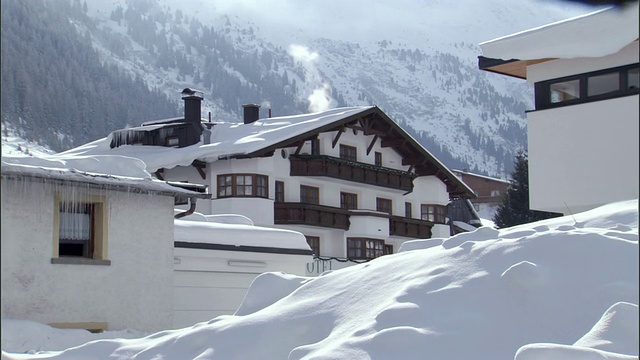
[[514, 67]]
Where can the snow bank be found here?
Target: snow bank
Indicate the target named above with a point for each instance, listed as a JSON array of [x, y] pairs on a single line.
[[535, 291]]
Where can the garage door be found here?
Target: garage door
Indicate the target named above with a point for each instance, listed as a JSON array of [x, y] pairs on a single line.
[[203, 295]]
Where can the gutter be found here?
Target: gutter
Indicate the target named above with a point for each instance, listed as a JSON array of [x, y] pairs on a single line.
[[192, 209]]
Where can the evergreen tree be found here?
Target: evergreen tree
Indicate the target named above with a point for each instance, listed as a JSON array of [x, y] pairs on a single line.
[[514, 209]]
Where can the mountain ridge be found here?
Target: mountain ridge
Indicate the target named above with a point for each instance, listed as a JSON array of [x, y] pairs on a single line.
[[238, 53]]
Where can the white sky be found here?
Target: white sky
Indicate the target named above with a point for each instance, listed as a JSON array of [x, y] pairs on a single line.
[[565, 288]]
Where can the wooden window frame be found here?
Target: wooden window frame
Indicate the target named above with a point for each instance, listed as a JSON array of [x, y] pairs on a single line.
[[96, 251], [314, 244], [348, 152], [408, 211], [384, 205], [237, 186], [364, 248], [543, 88], [348, 201], [378, 158], [309, 194], [435, 213], [279, 191]]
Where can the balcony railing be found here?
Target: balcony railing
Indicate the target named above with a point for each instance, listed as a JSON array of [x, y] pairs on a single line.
[[323, 165], [413, 228], [309, 214]]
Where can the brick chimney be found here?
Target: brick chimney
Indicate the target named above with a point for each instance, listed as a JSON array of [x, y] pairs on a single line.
[[192, 112], [251, 113]]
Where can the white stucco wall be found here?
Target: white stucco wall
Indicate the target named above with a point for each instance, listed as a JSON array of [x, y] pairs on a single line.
[[209, 283], [583, 155], [135, 291]]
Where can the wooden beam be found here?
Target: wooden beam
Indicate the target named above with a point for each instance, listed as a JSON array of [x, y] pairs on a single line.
[[373, 141], [200, 166], [392, 142], [412, 161], [299, 148], [335, 140]]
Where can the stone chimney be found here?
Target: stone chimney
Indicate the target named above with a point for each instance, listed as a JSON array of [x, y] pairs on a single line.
[[251, 113], [192, 112]]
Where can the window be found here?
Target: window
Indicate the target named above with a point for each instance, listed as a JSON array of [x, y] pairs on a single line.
[[603, 84], [407, 210], [495, 192], [309, 195], [279, 191], [565, 90], [314, 243], [348, 200], [243, 185], [383, 205], [434, 213], [315, 147], [378, 157], [348, 152], [587, 87], [388, 249], [80, 231], [364, 248], [172, 141]]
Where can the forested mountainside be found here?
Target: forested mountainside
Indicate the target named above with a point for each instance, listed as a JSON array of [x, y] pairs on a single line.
[[55, 89], [75, 70]]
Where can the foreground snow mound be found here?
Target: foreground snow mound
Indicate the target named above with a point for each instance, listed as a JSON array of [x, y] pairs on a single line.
[[479, 295]]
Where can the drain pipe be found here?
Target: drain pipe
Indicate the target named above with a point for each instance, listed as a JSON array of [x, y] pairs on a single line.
[[192, 208]]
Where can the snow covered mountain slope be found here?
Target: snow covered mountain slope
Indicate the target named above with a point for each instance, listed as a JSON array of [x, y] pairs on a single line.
[[415, 59]]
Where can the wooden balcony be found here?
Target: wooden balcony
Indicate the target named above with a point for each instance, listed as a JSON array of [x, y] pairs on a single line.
[[412, 228], [309, 214], [323, 165]]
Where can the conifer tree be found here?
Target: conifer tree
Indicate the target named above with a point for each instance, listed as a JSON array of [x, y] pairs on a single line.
[[514, 209]]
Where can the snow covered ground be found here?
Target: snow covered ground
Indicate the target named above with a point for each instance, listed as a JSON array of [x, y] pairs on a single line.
[[565, 288]]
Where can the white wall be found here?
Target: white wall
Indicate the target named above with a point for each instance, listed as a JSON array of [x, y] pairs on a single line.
[[583, 155], [133, 292], [209, 283]]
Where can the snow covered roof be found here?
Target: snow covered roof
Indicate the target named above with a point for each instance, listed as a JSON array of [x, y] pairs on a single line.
[[597, 34], [462, 172], [103, 171], [239, 140]]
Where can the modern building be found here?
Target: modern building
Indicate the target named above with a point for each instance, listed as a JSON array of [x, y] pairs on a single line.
[[350, 179], [583, 131]]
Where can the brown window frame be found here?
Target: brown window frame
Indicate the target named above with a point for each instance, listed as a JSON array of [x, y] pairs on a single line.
[[378, 158], [259, 186], [84, 247], [364, 248], [384, 205], [314, 244], [348, 201], [349, 153], [434, 213], [279, 191], [408, 211], [309, 195]]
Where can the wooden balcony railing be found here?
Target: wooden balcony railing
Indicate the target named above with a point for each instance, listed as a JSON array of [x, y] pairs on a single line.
[[323, 165], [413, 228], [309, 214]]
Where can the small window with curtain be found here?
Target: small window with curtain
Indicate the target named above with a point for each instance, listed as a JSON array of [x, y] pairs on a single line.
[[241, 185]]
